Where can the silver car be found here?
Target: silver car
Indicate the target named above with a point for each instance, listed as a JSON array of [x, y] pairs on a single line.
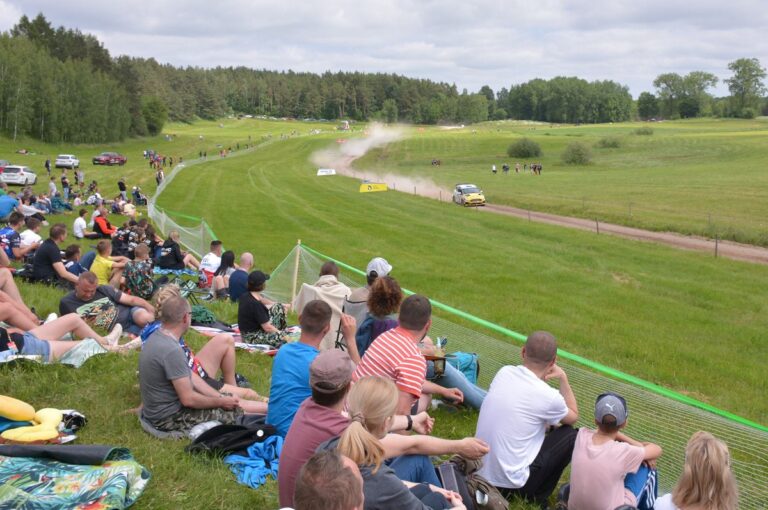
[[16, 174]]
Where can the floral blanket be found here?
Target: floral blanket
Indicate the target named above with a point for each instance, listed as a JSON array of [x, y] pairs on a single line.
[[41, 483]]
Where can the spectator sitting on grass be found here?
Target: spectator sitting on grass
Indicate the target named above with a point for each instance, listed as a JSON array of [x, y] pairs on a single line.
[[138, 274], [72, 260], [31, 236], [520, 407], [80, 228], [217, 355], [395, 355], [44, 340], [322, 417], [211, 261], [171, 256], [103, 305], [329, 289], [707, 482], [376, 268], [171, 401], [101, 224], [328, 481], [289, 385], [609, 468], [238, 280], [11, 239], [108, 269], [47, 265], [220, 284], [261, 321]]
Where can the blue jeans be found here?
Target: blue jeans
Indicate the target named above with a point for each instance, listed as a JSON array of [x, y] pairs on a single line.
[[454, 378], [643, 485], [414, 468]]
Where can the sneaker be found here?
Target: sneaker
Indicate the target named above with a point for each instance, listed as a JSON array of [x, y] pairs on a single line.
[[132, 345], [51, 317], [114, 335], [207, 297]]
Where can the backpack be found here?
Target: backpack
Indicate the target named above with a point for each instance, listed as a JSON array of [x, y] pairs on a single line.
[[226, 439], [481, 494], [467, 363]]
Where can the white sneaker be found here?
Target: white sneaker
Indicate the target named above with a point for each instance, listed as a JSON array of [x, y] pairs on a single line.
[[114, 335], [132, 345], [51, 317]]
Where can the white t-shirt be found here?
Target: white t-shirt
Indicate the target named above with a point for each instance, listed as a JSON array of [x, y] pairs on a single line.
[[210, 262], [51, 188], [513, 420], [28, 238], [79, 227], [598, 471], [664, 503]]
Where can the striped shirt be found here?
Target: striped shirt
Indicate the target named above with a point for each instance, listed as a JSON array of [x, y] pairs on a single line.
[[394, 355]]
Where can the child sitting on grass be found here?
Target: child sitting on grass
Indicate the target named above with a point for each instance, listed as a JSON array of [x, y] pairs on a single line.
[[72, 260], [138, 273], [108, 269], [31, 236], [608, 468]]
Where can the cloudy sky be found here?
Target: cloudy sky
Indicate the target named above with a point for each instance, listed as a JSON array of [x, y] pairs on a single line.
[[470, 43]]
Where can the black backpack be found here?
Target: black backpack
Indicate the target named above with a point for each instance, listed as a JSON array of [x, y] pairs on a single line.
[[223, 440]]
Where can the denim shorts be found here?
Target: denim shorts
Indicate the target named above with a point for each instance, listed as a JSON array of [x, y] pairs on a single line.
[[35, 346]]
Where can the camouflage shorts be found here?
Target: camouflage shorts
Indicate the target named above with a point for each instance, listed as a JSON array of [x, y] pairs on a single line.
[[187, 418], [277, 319]]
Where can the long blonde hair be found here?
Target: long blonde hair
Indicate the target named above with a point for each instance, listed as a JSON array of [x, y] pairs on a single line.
[[707, 481], [371, 402], [162, 295]]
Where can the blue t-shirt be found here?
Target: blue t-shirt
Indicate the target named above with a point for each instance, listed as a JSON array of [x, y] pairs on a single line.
[[290, 384], [7, 205], [9, 239], [238, 284]]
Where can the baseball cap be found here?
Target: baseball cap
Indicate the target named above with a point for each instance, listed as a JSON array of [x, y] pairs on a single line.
[[330, 371], [256, 278], [610, 404], [380, 265]]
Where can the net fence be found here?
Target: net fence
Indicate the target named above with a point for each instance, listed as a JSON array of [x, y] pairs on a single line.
[[657, 415]]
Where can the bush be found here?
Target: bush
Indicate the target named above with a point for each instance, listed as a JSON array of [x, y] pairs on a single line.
[[524, 148], [644, 131], [609, 142], [747, 113], [577, 153]]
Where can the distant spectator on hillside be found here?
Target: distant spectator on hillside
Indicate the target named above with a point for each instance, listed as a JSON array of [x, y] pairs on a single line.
[[329, 289], [520, 407]]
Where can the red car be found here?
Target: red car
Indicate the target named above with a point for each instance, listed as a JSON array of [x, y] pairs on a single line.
[[109, 158]]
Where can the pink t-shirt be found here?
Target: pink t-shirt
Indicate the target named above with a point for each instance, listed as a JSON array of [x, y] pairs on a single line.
[[312, 425], [598, 471]]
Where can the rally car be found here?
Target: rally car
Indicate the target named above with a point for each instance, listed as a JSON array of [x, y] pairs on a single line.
[[468, 195], [109, 158]]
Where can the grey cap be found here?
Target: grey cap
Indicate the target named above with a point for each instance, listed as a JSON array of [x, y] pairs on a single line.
[[610, 404]]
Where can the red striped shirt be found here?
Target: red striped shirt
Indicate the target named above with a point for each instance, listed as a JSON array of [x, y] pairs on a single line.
[[394, 355]]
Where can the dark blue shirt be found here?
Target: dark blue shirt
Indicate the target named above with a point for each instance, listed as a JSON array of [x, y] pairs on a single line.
[[238, 284]]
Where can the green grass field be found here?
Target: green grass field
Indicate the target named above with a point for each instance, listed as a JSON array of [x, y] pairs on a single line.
[[684, 320], [704, 177]]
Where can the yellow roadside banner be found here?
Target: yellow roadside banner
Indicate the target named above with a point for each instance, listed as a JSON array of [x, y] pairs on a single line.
[[369, 187]]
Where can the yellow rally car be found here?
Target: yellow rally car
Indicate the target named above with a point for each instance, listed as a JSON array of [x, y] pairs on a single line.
[[468, 195]]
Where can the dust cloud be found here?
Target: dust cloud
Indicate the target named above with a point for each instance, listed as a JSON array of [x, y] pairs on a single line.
[[341, 157]]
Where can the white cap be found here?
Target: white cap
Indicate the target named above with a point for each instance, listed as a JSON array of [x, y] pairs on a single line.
[[380, 265]]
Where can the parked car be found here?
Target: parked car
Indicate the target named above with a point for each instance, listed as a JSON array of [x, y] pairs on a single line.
[[17, 174], [67, 161], [109, 158], [468, 195]]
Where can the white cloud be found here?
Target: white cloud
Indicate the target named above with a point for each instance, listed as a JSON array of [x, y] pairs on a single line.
[[469, 43]]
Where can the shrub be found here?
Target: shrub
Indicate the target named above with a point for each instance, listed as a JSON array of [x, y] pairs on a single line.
[[609, 142], [577, 153], [524, 148], [644, 131]]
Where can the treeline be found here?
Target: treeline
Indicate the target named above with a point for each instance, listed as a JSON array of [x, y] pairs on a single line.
[[563, 99]]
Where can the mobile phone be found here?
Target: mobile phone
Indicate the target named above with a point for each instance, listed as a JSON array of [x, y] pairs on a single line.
[[448, 477]]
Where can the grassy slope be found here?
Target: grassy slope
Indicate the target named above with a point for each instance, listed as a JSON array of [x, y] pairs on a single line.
[[684, 320], [704, 177]]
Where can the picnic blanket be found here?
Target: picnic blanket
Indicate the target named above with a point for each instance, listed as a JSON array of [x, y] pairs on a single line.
[[54, 477]]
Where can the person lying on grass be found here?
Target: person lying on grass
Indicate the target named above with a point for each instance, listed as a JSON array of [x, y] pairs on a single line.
[[45, 340], [217, 355], [171, 400]]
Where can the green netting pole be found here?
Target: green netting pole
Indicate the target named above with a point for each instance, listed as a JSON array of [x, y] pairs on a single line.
[[598, 367]]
